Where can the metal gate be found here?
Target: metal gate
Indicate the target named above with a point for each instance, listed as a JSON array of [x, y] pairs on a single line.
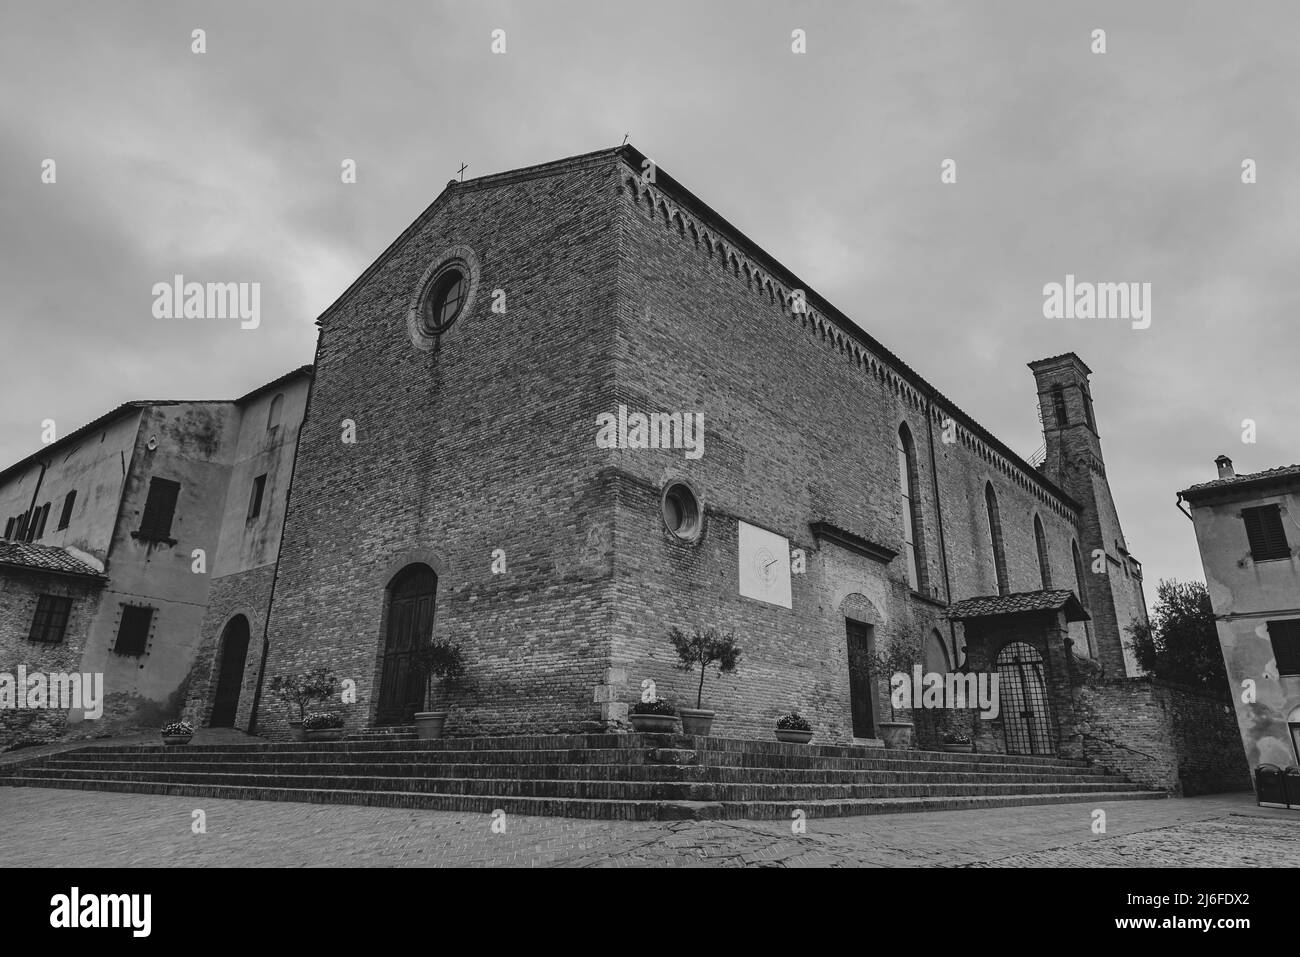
[[1024, 704]]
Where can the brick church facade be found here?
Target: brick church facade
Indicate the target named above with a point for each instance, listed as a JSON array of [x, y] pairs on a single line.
[[834, 504]]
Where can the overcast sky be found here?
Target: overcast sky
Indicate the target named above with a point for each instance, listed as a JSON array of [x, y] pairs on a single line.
[[1117, 167]]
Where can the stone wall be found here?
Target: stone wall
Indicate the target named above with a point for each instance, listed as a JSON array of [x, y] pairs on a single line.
[[19, 592], [1162, 735]]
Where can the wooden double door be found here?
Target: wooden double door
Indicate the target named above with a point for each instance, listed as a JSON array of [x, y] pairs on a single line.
[[412, 596]]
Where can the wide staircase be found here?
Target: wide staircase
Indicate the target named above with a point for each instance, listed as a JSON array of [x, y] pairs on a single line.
[[628, 776]]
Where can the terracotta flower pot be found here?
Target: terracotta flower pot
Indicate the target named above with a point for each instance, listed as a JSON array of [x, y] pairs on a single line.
[[653, 723], [959, 748], [324, 734], [897, 735], [171, 740], [696, 720], [429, 724], [793, 736]]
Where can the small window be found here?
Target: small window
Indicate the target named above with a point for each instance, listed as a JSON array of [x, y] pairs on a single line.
[[38, 521], [9, 528], [681, 510], [133, 632], [51, 619], [443, 302], [273, 416], [1285, 636], [159, 510], [1265, 532], [255, 499], [66, 515]]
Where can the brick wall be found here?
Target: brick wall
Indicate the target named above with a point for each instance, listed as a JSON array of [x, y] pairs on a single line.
[[1178, 739], [246, 593], [485, 442], [800, 425]]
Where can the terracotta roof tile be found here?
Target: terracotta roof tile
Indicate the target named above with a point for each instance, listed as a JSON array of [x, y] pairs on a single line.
[[44, 558]]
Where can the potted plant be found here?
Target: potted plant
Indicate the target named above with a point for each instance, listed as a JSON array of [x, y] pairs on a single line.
[[702, 649], [301, 690], [442, 661], [793, 728], [655, 716], [323, 726], [178, 732], [956, 741], [893, 658]]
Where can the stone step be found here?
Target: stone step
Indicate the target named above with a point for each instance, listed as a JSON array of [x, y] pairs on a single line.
[[89, 764], [589, 808], [355, 752], [625, 742], [594, 790]]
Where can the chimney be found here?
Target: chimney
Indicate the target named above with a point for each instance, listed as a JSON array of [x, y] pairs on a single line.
[[1225, 467]]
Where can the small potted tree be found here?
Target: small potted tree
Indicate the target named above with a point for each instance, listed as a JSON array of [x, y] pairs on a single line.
[[793, 728], [700, 649], [654, 716], [894, 658], [323, 726], [301, 690], [957, 741], [438, 660], [178, 732]]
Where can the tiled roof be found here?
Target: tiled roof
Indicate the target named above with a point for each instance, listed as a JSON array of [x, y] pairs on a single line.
[[44, 558], [989, 605], [1268, 475]]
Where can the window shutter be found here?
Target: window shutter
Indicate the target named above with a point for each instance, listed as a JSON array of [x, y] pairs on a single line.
[[159, 509], [1285, 636], [1265, 532]]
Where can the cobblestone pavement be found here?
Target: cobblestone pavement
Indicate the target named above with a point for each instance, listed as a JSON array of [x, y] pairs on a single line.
[[90, 828]]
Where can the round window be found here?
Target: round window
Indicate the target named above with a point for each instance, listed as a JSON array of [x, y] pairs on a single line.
[[681, 511], [444, 301]]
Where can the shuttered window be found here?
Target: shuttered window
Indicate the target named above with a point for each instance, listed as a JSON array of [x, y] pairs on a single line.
[[255, 497], [159, 509], [1285, 636], [1265, 532], [66, 515]]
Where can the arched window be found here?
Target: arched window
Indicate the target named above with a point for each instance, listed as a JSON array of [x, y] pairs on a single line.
[[1082, 590], [1058, 405], [995, 539], [1044, 563], [273, 416], [1079, 585], [913, 528]]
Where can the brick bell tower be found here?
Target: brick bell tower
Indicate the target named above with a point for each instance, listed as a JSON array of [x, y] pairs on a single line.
[[1074, 462]]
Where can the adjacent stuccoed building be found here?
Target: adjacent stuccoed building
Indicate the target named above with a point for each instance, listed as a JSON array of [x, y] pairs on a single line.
[[118, 535], [1248, 530]]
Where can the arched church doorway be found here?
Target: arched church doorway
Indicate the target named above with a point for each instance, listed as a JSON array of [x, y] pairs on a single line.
[[409, 622], [1023, 702], [230, 677]]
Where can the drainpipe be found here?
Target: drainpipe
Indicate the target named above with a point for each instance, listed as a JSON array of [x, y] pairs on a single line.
[[1179, 504], [938, 511]]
